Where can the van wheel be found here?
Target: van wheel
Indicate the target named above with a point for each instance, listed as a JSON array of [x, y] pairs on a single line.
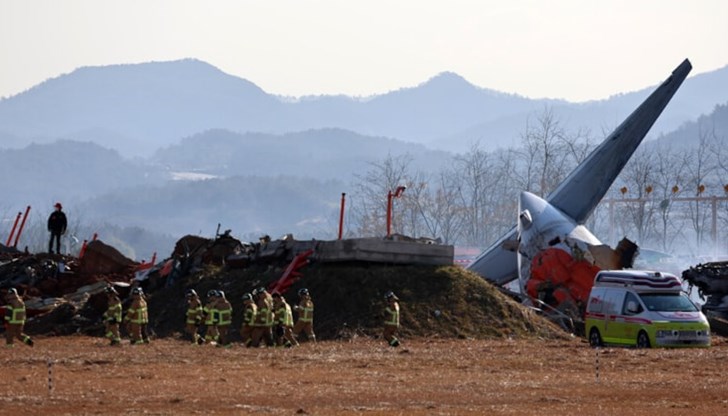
[[643, 341], [595, 339]]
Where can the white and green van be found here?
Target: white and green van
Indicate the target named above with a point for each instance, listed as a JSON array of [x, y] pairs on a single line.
[[644, 309]]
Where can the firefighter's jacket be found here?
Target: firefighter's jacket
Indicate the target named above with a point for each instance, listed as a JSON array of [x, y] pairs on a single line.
[[113, 311], [194, 311], [15, 312], [264, 317], [305, 310], [391, 314], [284, 316], [249, 314], [210, 313], [224, 312], [137, 312]]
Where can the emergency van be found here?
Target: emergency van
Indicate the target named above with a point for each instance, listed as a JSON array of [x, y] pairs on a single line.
[[643, 309]]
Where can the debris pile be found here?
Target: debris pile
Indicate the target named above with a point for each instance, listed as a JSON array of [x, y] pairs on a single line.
[[64, 295], [711, 279]]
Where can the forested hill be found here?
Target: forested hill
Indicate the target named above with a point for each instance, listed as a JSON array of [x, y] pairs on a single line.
[[322, 154], [706, 128]]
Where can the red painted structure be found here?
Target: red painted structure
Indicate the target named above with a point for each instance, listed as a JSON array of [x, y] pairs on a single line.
[[390, 195], [341, 215], [291, 274], [568, 280], [12, 232], [22, 225], [83, 246]]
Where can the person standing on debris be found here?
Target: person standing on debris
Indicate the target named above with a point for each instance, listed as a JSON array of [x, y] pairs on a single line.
[[194, 315], [15, 319], [284, 322], [305, 315], [391, 319], [225, 318], [112, 316], [209, 312], [137, 315], [57, 226], [249, 314]]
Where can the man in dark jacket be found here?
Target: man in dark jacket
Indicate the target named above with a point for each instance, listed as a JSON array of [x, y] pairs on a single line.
[[57, 226]]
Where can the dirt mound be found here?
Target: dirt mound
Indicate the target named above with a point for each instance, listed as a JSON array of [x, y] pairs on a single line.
[[435, 301]]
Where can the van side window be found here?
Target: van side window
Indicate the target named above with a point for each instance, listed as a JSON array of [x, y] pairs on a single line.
[[596, 300], [631, 298], [614, 301]]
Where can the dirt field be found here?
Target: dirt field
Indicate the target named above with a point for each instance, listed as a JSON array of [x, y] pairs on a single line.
[[363, 376]]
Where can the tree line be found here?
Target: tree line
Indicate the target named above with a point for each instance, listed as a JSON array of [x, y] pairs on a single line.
[[662, 199]]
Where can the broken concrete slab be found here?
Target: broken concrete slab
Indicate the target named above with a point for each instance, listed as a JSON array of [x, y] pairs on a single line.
[[383, 251]]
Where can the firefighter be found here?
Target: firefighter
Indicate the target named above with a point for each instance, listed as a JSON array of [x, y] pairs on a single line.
[[137, 316], [249, 313], [112, 316], [270, 318], [225, 318], [264, 318], [305, 315], [194, 315], [284, 322], [15, 319], [209, 312], [391, 319]]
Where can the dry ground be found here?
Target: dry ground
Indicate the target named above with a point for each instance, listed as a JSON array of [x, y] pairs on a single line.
[[424, 377]]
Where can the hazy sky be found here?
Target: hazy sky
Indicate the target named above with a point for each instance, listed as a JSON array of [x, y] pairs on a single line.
[[577, 50]]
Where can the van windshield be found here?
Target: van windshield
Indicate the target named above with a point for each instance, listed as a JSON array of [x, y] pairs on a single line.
[[668, 302]]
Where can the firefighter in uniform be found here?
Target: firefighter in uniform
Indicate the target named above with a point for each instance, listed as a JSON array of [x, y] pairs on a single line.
[[112, 316], [305, 315], [284, 322], [264, 319], [391, 319], [249, 313], [210, 317], [15, 319], [137, 316], [225, 318], [193, 315]]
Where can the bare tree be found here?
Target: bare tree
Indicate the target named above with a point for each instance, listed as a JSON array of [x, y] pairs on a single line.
[[439, 210], [638, 178], [369, 202], [544, 153], [472, 177], [668, 173], [700, 164]]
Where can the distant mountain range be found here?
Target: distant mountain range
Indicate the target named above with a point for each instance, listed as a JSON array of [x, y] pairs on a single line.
[[138, 109]]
